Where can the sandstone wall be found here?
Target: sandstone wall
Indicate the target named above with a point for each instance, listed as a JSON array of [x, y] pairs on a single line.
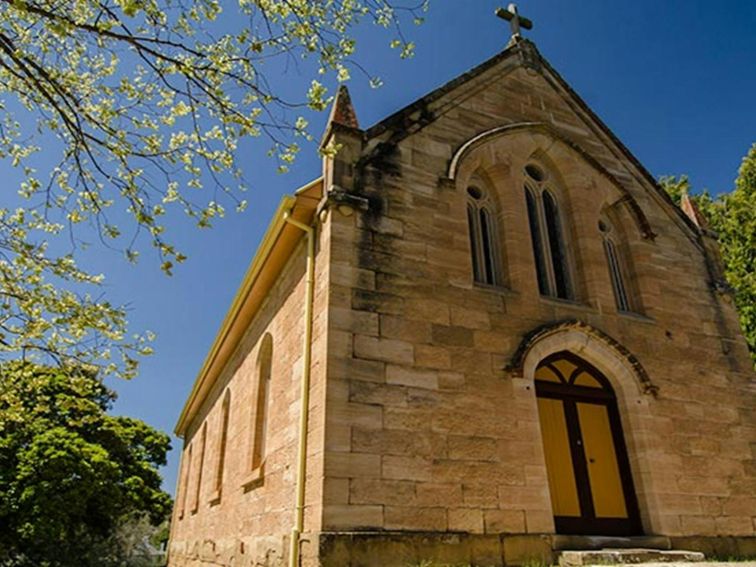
[[251, 525], [425, 430]]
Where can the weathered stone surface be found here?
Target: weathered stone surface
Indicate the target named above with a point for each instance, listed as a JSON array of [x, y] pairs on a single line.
[[623, 556], [423, 410]]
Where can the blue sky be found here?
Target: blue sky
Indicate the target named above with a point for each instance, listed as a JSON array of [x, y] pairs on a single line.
[[675, 80]]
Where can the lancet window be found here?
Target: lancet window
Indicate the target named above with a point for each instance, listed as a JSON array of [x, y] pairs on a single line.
[[222, 440], [200, 465], [186, 475], [262, 393], [547, 235], [484, 239], [616, 266]]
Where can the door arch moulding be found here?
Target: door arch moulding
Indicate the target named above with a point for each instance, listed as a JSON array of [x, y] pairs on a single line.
[[632, 385], [578, 336]]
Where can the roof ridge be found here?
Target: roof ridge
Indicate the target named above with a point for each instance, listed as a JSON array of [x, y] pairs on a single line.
[[385, 123]]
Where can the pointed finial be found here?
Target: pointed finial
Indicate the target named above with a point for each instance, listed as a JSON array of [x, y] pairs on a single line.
[[342, 111], [692, 211]]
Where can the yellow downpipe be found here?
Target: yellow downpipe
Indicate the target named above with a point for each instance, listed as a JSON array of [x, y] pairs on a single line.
[[304, 413]]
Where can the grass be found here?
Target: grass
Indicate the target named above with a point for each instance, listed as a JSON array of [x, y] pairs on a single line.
[[429, 563]]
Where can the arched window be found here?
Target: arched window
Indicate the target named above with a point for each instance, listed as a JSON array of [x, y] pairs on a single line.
[[547, 235], [262, 393], [484, 246], [222, 439], [200, 465], [185, 477], [616, 267]]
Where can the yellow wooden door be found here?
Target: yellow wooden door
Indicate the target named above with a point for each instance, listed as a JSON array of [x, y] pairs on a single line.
[[586, 460], [601, 461], [556, 447]]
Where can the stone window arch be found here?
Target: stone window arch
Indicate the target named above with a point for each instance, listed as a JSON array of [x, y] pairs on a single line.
[[547, 233], [261, 402], [484, 235], [619, 266], [200, 466], [185, 477], [222, 441]]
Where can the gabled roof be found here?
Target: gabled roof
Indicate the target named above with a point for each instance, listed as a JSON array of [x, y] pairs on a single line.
[[280, 239], [276, 247], [529, 56]]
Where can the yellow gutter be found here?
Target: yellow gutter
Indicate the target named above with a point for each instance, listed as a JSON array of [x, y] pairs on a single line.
[[304, 412], [253, 272]]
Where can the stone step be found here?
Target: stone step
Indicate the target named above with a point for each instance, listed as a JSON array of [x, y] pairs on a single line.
[[580, 542], [624, 556]]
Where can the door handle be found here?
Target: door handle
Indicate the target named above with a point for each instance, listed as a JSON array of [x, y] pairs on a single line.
[[590, 460]]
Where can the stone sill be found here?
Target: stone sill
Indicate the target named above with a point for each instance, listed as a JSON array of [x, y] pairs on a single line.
[[633, 316], [499, 289], [215, 497], [568, 303], [254, 478]]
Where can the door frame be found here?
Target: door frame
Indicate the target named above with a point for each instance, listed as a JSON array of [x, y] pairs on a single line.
[[570, 395]]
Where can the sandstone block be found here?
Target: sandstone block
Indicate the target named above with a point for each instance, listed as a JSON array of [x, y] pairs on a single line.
[[379, 491], [411, 377], [346, 465], [504, 521], [431, 494], [452, 336], [360, 322], [352, 516], [473, 448], [406, 468], [393, 327], [427, 356], [430, 310], [386, 350], [414, 518], [468, 520]]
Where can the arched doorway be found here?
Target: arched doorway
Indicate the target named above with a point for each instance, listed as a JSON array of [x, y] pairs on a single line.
[[586, 460]]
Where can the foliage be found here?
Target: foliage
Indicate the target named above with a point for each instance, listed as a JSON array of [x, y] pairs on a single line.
[[147, 102], [732, 216], [72, 478]]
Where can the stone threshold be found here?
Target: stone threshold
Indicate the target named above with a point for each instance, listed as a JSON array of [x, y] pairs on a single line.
[[582, 542], [627, 556]]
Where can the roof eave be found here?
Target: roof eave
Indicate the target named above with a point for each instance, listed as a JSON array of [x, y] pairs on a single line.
[[221, 351]]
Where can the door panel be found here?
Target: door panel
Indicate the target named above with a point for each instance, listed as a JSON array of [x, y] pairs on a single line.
[[586, 459], [556, 445], [601, 457]]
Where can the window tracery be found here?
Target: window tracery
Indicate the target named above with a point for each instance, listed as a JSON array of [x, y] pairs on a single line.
[[484, 245], [616, 267], [547, 235]]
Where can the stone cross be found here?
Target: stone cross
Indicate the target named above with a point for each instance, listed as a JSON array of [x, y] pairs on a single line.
[[516, 21]]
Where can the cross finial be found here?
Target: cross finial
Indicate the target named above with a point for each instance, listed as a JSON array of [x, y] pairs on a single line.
[[516, 21]]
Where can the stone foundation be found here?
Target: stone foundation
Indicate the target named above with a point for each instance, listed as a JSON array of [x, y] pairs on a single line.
[[718, 547], [403, 549]]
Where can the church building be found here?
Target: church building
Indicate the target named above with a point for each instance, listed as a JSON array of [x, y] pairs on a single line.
[[484, 334]]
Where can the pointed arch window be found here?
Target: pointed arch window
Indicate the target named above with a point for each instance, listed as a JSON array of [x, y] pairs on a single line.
[[484, 241], [222, 440], [616, 268], [259, 426], [547, 235], [184, 483], [200, 465]]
